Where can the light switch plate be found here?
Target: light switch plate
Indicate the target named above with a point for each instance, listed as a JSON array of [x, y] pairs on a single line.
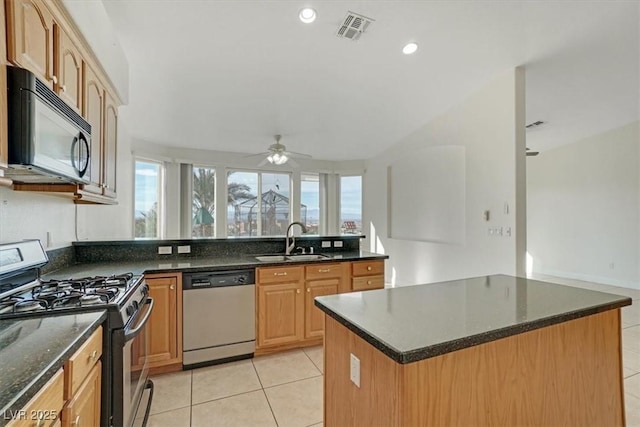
[[355, 370], [326, 243], [164, 250], [186, 249], [337, 244]]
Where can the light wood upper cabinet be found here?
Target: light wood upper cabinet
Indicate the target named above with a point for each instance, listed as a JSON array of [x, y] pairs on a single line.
[[68, 69], [93, 111], [30, 28], [110, 151]]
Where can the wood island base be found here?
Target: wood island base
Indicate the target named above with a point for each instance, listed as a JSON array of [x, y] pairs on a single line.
[[567, 374]]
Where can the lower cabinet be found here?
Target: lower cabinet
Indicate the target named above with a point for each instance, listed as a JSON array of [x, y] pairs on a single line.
[[280, 306], [71, 398], [84, 407], [286, 314], [367, 275], [165, 324]]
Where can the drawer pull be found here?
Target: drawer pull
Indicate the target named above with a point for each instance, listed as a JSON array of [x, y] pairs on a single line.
[[308, 289], [40, 422], [76, 423], [324, 270], [297, 291], [284, 273], [93, 355], [172, 287], [368, 268], [368, 282]]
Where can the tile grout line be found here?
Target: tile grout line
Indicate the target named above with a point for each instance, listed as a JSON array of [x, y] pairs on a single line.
[[226, 397], [191, 400], [265, 393]]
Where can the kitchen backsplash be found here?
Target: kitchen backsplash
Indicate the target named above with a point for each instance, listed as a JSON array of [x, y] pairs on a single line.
[[142, 250]]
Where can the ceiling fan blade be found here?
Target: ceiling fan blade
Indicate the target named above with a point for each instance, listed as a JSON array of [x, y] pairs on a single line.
[[295, 154], [263, 162], [266, 153]]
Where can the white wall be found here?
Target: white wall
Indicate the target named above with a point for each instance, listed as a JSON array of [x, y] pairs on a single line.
[[490, 127], [583, 209]]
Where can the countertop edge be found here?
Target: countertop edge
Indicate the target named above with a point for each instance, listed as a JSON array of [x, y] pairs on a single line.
[[22, 398], [405, 357]]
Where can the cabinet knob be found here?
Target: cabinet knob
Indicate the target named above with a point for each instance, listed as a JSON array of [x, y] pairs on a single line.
[[172, 287], [308, 289], [76, 423], [284, 273], [40, 422], [63, 88], [54, 79], [297, 291], [368, 282], [93, 355], [368, 268]]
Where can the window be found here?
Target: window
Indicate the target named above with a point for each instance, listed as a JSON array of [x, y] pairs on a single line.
[[250, 215], [147, 205], [351, 204], [203, 202], [310, 198]]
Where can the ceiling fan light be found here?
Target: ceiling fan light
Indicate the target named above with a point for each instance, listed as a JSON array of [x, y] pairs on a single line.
[[271, 158], [282, 159], [410, 48], [307, 15]]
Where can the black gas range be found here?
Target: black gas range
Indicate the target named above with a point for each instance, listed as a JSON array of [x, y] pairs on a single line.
[[125, 299]]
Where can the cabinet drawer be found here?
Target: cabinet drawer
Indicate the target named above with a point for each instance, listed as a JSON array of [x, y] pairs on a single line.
[[46, 404], [322, 271], [367, 268], [279, 274], [80, 364], [367, 283]]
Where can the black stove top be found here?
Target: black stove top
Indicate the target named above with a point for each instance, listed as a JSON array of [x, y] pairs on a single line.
[[41, 296]]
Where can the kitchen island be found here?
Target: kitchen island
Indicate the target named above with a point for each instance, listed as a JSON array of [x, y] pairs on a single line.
[[494, 350]]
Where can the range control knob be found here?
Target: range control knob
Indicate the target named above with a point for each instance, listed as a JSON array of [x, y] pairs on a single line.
[[145, 289], [130, 309]]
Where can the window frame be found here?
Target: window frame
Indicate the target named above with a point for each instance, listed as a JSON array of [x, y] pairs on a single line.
[[161, 197], [216, 177]]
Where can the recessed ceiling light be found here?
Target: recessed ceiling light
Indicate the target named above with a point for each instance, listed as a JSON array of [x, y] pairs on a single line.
[[307, 15], [410, 48]]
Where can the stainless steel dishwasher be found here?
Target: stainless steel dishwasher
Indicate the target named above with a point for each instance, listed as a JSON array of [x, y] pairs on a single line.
[[218, 321]]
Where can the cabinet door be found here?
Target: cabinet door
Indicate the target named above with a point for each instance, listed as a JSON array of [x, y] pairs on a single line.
[[68, 70], [3, 99], [163, 324], [84, 407], [30, 37], [110, 146], [314, 317], [280, 314], [93, 112]]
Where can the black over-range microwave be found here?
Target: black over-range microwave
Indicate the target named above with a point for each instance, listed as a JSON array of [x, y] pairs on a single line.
[[48, 141]]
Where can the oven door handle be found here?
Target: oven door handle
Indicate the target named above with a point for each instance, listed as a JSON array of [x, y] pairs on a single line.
[[130, 334]]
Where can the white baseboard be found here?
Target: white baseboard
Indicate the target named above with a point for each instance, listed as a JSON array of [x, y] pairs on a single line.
[[588, 278]]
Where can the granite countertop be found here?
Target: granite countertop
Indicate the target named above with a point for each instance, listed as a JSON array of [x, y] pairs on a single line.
[[33, 349], [194, 264], [413, 323]]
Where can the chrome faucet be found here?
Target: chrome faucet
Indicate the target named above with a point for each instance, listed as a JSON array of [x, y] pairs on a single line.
[[290, 246]]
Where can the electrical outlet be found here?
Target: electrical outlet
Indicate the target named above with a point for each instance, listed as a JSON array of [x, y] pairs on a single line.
[[326, 243], [164, 250], [186, 249], [337, 244], [355, 370]]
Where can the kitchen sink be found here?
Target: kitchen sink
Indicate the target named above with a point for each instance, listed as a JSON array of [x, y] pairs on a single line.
[[303, 257], [271, 258], [299, 257]]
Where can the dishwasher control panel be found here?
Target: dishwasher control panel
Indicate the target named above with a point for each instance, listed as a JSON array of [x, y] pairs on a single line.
[[217, 279]]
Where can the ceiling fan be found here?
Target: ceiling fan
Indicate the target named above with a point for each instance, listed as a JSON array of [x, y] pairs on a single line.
[[277, 154]]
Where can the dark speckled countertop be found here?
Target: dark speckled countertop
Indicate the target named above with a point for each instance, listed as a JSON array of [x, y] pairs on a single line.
[[193, 264], [413, 323], [33, 349]]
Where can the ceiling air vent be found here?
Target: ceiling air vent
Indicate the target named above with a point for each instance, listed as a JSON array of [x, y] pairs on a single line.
[[353, 26]]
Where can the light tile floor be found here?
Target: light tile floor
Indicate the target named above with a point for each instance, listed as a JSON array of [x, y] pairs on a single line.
[[285, 389]]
